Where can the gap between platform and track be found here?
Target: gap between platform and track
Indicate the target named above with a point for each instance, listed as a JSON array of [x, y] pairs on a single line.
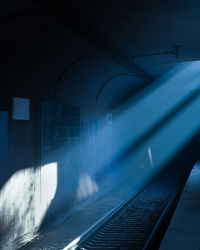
[[166, 210]]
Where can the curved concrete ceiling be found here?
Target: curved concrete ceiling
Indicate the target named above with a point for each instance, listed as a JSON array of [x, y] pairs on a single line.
[[43, 58], [69, 50], [84, 82]]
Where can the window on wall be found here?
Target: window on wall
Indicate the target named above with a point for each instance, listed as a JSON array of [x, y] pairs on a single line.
[[3, 134], [21, 108], [60, 126]]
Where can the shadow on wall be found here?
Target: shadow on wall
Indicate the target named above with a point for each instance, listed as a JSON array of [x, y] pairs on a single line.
[[69, 138], [61, 143]]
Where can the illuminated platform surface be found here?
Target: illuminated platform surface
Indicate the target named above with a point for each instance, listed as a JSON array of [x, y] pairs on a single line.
[[70, 226], [183, 232]]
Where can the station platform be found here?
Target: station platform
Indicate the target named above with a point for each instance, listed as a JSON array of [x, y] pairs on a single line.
[[71, 225], [183, 232], [142, 213]]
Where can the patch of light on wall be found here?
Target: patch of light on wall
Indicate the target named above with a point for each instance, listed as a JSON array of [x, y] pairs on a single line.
[[22, 209], [87, 186]]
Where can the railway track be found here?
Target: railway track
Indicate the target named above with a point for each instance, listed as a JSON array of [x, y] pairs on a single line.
[[139, 223]]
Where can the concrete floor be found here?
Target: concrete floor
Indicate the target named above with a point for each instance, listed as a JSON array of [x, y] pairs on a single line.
[[183, 232], [78, 221]]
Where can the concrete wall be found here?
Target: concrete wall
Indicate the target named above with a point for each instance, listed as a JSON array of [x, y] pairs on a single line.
[[43, 177], [44, 61], [18, 169]]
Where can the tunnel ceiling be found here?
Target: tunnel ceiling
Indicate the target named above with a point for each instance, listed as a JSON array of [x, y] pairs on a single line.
[[142, 27], [44, 43]]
